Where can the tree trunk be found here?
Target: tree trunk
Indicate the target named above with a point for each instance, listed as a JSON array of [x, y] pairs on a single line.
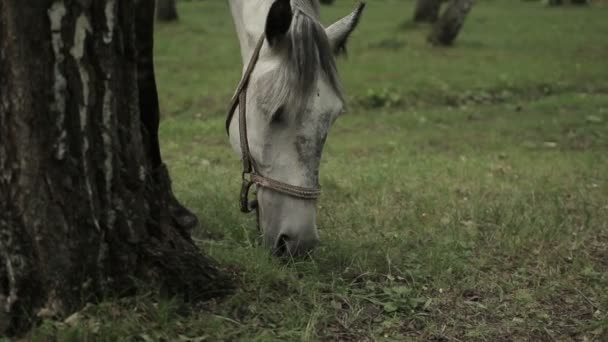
[[166, 10], [85, 202], [561, 2], [447, 28], [427, 10]]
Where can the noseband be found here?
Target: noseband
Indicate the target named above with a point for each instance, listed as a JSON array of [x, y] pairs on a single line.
[[251, 173]]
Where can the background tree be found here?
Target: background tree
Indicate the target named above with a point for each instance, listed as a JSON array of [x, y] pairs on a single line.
[[561, 2], [427, 10], [449, 25], [166, 10], [85, 202]]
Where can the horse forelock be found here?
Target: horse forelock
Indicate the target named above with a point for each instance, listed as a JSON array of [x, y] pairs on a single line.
[[313, 7]]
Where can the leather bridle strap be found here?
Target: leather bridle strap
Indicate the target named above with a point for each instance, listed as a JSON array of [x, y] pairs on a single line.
[[287, 189], [244, 82], [250, 174]]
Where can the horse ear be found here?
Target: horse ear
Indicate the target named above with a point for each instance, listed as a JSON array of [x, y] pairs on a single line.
[[339, 32], [278, 21]]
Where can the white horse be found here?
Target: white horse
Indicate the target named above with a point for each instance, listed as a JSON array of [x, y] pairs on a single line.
[[292, 94]]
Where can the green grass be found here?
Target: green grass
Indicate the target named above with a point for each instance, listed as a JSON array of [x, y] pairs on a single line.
[[465, 192]]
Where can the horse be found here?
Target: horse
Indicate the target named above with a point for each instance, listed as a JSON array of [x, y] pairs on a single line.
[[289, 96]]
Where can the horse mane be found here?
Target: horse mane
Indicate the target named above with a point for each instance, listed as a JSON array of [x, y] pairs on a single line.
[[292, 84]]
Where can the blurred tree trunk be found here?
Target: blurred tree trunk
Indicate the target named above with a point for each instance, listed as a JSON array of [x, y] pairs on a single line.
[[84, 205], [427, 10], [561, 2], [166, 10], [449, 25]]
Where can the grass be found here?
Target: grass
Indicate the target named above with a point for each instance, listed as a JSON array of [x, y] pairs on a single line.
[[465, 192]]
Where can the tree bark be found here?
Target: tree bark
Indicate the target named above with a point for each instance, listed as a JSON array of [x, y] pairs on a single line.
[[448, 27], [85, 201], [427, 10], [166, 10]]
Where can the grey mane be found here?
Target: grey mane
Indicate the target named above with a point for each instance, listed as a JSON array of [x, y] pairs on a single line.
[[291, 85]]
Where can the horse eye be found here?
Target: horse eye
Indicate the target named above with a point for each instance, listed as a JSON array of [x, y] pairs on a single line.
[[278, 116]]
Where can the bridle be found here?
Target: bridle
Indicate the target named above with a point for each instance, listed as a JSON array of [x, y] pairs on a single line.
[[251, 173]]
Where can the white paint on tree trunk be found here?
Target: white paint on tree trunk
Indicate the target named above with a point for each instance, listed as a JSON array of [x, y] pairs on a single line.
[[56, 14], [142, 173], [110, 21], [82, 29], [12, 279]]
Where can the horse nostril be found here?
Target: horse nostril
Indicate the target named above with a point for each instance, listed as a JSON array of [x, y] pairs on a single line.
[[280, 248], [299, 247], [286, 245]]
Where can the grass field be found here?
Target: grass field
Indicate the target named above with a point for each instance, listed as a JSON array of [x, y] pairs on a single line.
[[465, 192]]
